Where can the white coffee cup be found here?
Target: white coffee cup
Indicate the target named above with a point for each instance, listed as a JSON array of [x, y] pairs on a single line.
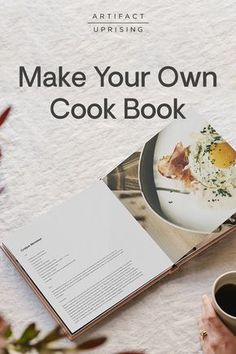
[[226, 278]]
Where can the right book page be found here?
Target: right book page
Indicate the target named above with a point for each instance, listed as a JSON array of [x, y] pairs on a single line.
[[180, 186]]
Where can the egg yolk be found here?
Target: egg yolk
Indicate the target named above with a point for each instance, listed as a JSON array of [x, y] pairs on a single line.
[[222, 155]]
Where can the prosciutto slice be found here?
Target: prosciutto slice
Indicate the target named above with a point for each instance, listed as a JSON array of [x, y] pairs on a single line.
[[175, 166]]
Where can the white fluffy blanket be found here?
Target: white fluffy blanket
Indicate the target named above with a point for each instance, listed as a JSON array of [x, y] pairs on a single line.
[[46, 161]]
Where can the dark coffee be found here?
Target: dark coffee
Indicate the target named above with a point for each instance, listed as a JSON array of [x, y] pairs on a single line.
[[226, 298]]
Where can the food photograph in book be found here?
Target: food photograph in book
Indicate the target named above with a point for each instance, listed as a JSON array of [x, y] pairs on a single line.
[[180, 186]]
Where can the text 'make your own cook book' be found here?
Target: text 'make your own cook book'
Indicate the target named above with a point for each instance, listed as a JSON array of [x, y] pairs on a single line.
[[160, 207]]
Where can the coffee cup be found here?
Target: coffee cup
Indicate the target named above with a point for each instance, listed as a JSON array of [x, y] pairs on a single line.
[[224, 299]]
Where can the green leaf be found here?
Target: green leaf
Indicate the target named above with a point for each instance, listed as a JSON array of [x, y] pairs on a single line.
[[8, 332], [29, 333], [52, 336], [91, 343]]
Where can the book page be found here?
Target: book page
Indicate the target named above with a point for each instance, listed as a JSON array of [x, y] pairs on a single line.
[[87, 255]]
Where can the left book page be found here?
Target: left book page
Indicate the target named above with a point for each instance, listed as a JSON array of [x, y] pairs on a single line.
[[87, 255]]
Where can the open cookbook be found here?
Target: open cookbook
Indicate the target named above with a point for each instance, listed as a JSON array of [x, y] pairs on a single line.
[[163, 205]]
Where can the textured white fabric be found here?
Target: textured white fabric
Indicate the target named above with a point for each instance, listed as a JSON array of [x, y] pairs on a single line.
[[45, 160]]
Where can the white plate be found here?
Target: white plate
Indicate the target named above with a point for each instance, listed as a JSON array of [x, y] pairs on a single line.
[[184, 210]]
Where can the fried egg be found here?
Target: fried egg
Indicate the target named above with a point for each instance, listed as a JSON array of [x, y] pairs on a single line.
[[212, 162]]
